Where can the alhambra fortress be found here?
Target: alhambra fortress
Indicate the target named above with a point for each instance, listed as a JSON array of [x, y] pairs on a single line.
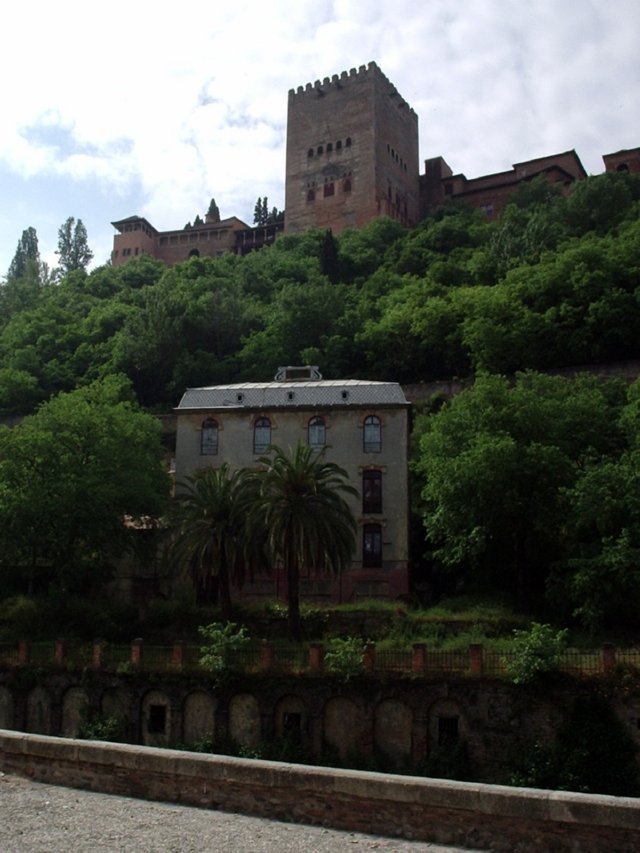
[[352, 156]]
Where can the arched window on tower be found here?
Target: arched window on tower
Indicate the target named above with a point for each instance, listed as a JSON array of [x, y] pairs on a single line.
[[209, 437]]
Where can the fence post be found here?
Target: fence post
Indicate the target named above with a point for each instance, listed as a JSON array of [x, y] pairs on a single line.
[[608, 658], [136, 651], [266, 656], [419, 659], [97, 654], [476, 658], [23, 652], [316, 658], [369, 657], [59, 652], [177, 654]]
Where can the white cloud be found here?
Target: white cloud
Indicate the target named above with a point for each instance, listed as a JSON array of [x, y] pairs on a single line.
[[146, 109]]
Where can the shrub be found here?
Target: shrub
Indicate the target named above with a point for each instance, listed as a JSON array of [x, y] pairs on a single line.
[[344, 657], [535, 651], [221, 638]]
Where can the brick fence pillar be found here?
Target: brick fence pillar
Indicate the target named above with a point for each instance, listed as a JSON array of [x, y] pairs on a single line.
[[60, 651], [97, 654], [266, 656], [419, 659], [23, 652], [608, 658], [476, 658], [177, 654], [136, 651], [369, 657], [316, 658]]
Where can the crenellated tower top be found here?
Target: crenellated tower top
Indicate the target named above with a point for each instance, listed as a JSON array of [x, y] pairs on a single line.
[[320, 88]]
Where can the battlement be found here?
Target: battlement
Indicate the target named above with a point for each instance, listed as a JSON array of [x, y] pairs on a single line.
[[336, 82]]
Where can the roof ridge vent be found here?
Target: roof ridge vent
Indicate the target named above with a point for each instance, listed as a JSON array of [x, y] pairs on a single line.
[[301, 373]]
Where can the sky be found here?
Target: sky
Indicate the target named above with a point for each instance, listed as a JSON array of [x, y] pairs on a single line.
[[109, 110]]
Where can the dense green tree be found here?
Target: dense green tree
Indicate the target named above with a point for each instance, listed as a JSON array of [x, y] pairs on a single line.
[[497, 463], [301, 509], [210, 532], [75, 478], [73, 246]]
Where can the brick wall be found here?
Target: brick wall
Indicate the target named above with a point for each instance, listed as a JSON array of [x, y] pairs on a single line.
[[489, 817]]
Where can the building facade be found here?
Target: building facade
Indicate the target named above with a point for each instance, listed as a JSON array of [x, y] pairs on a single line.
[[359, 425], [136, 236], [490, 193], [352, 153]]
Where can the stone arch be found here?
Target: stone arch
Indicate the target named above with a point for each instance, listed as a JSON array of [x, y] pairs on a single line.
[[244, 720], [343, 726], [155, 718], [74, 708], [39, 711], [199, 717], [392, 730], [6, 709]]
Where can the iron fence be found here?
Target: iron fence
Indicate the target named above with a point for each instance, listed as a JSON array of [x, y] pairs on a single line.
[[293, 658]]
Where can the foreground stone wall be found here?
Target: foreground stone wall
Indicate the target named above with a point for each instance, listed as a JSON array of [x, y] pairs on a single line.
[[489, 817]]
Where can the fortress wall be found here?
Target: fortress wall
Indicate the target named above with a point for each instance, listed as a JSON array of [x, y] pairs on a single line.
[[489, 817]]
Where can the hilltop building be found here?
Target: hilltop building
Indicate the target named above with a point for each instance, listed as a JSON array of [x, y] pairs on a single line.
[[352, 153], [136, 236], [352, 156], [360, 425], [490, 193]]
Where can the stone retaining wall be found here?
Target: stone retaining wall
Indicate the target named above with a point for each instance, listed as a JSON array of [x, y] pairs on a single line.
[[487, 817]]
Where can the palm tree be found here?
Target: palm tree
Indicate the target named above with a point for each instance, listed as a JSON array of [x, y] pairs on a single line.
[[210, 529], [307, 522]]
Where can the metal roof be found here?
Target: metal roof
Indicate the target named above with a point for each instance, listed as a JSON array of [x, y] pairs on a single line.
[[286, 395]]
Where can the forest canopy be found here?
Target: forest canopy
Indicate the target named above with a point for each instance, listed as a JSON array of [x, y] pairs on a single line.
[[553, 282]]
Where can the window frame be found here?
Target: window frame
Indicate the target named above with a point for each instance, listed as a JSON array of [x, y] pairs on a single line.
[[371, 491], [260, 425], [315, 424], [371, 424], [372, 546], [209, 446]]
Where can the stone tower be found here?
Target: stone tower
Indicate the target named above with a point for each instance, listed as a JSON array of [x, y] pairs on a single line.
[[352, 153]]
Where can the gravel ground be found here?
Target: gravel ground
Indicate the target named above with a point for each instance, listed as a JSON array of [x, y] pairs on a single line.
[[38, 818]]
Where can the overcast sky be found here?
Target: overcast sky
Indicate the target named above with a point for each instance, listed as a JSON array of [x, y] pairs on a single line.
[[119, 108]]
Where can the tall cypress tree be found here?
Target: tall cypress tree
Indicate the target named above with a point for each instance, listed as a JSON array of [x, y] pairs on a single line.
[[73, 247], [27, 250]]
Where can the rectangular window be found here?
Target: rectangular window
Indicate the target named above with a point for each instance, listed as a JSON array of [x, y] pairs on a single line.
[[329, 189], [372, 546], [371, 491]]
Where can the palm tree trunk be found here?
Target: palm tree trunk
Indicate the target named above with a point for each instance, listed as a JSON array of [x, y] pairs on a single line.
[[293, 595], [224, 592]]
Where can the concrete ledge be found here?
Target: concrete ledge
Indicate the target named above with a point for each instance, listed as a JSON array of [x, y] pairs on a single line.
[[491, 817]]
